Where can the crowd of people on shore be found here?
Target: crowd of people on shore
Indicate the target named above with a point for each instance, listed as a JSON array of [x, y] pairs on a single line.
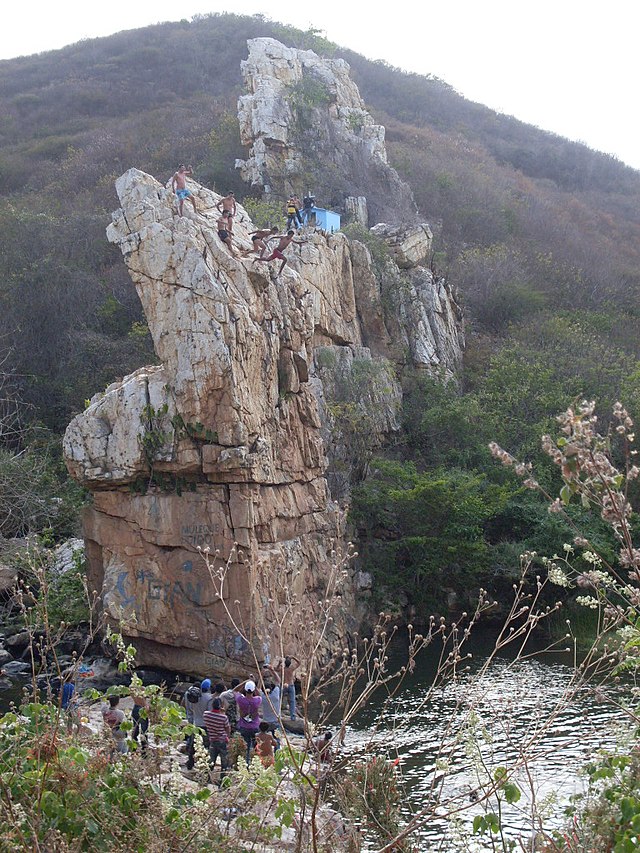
[[217, 712], [255, 713]]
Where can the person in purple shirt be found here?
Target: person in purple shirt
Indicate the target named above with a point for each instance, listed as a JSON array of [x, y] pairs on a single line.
[[248, 702]]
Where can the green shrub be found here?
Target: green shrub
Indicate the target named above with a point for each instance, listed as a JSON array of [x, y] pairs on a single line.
[[264, 213]]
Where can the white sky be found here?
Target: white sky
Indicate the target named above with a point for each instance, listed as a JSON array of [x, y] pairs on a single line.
[[568, 66]]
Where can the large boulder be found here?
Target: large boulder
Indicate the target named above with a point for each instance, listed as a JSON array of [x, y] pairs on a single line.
[[219, 448], [409, 245], [214, 526]]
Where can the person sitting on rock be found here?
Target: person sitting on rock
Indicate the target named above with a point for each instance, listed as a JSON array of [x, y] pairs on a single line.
[[285, 240], [179, 186], [225, 228]]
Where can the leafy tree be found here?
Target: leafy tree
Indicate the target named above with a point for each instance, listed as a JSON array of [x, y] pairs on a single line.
[[423, 533]]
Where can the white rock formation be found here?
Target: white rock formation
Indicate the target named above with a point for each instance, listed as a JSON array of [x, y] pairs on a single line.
[[303, 118], [410, 246]]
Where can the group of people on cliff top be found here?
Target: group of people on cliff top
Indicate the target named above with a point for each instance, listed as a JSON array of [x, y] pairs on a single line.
[[260, 239]]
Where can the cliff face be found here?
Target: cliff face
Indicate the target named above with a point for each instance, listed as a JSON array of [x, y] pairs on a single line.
[[270, 393], [306, 123]]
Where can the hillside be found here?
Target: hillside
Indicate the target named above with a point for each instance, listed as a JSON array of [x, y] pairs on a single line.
[[567, 218], [540, 235]]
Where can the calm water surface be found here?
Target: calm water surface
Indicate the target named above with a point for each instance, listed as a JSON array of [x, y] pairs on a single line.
[[517, 712]]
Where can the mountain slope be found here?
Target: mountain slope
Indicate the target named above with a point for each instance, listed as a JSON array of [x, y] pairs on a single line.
[[521, 217]]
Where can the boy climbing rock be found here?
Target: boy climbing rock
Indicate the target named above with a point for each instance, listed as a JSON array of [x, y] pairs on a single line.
[[225, 229]]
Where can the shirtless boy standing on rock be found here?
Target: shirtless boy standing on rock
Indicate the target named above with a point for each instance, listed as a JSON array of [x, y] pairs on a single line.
[[285, 240], [179, 186], [227, 203]]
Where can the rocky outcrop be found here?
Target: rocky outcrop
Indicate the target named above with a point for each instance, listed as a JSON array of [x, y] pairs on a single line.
[[305, 121], [409, 247], [219, 447], [220, 476]]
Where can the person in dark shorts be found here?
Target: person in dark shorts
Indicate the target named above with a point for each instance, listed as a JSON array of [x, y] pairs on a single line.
[[225, 228], [259, 239], [227, 203]]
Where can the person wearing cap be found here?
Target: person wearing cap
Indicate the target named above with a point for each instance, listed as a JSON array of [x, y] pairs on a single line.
[[248, 702], [195, 711]]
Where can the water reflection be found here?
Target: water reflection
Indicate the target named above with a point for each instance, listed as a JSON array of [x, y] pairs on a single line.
[[528, 713]]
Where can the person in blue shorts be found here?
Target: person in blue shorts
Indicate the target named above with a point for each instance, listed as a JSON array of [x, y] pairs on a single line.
[[179, 186]]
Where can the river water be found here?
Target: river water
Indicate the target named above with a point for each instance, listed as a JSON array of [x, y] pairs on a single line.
[[526, 713]]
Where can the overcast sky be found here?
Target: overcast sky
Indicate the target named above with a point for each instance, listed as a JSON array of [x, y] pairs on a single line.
[[568, 66]]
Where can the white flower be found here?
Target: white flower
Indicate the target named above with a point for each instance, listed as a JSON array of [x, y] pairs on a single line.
[[587, 601], [557, 576], [627, 633]]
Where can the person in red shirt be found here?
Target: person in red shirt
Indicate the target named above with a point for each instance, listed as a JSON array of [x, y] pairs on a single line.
[[217, 725]]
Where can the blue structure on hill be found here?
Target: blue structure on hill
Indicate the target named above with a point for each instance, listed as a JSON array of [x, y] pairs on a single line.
[[327, 220], [319, 217]]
